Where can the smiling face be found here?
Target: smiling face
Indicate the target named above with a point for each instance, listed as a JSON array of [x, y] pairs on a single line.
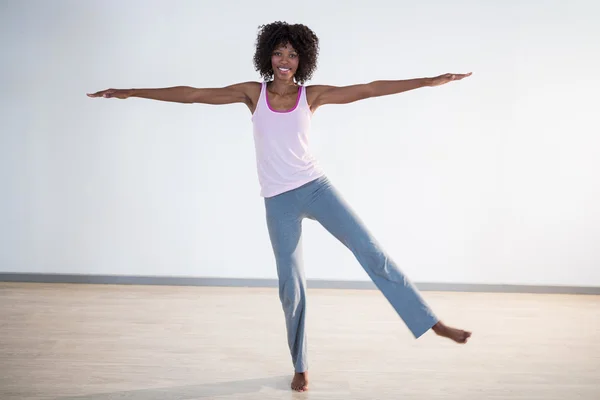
[[284, 61]]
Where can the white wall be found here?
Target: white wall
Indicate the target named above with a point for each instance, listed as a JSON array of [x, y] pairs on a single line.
[[493, 179]]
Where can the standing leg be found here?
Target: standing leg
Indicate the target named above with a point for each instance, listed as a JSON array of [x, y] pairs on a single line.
[[328, 208], [285, 231]]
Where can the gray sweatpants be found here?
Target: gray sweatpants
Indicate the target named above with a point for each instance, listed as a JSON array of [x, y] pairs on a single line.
[[318, 200]]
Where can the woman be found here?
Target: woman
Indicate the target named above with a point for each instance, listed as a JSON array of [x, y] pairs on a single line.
[[292, 183]]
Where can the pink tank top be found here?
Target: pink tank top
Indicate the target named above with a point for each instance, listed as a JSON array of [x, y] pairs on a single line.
[[283, 158]]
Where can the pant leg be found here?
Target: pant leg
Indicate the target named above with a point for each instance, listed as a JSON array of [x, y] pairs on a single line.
[[285, 231], [327, 206]]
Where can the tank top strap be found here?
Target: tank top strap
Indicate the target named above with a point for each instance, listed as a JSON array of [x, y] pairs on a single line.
[[263, 94], [262, 98], [303, 99]]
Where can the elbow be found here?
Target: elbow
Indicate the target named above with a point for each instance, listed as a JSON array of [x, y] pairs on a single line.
[[370, 90]]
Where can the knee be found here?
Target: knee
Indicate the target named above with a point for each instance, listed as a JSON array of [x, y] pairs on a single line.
[[368, 250], [372, 256], [378, 261], [292, 293]]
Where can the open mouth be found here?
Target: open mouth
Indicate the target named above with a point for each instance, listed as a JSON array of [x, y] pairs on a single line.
[[284, 70]]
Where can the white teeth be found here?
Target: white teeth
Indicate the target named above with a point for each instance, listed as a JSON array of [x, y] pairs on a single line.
[[284, 69]]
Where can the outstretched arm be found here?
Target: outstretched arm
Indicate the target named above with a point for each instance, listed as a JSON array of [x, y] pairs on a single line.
[[322, 94], [238, 93]]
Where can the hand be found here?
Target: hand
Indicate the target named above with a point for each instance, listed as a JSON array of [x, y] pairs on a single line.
[[116, 93], [443, 79]]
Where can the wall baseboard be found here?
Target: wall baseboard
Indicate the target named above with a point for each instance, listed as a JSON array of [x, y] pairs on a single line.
[[270, 283]]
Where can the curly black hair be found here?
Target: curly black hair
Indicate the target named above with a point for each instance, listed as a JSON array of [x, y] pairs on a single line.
[[302, 39]]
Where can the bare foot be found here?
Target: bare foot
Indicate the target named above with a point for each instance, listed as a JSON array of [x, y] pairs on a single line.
[[300, 381], [458, 335]]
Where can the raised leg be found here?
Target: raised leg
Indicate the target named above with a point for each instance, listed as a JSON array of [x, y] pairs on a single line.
[[334, 214]]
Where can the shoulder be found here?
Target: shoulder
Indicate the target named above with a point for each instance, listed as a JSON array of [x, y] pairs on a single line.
[[250, 91], [313, 91], [249, 88], [316, 89]]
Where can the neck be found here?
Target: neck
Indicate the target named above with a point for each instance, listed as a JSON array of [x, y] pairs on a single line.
[[281, 86]]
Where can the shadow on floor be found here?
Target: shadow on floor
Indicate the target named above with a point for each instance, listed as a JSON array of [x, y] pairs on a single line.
[[238, 388]]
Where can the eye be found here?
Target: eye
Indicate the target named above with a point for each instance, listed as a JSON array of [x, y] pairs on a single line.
[[293, 55]]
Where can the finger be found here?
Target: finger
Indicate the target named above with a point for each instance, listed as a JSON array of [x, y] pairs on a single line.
[[100, 93]]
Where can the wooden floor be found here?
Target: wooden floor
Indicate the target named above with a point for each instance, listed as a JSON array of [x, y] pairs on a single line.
[[100, 342]]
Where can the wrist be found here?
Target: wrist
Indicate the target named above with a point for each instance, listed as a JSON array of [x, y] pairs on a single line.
[[427, 81]]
